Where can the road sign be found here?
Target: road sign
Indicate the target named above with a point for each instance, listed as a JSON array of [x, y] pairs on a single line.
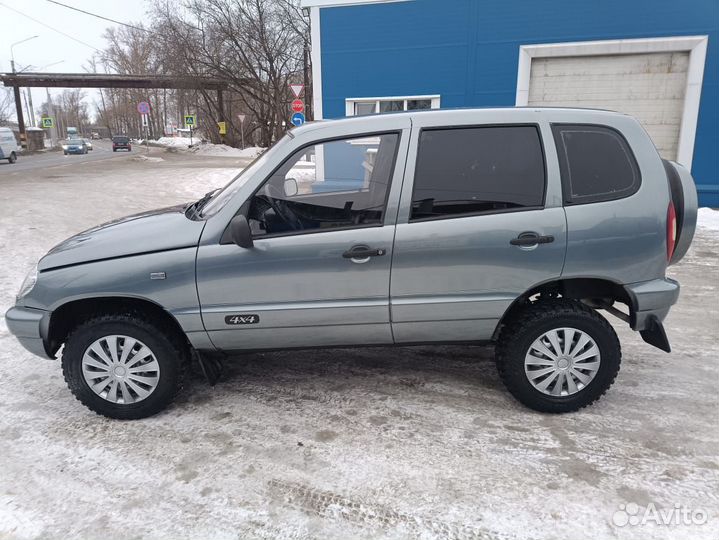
[[298, 105], [241, 117], [298, 119], [190, 120], [222, 126], [48, 122], [297, 89], [145, 121], [143, 107]]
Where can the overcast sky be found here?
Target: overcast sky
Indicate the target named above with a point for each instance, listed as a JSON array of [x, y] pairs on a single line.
[[51, 46]]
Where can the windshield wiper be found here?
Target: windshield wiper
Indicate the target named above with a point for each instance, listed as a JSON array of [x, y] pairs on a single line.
[[194, 208]]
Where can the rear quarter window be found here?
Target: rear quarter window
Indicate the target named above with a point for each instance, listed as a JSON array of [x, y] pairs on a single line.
[[596, 163]]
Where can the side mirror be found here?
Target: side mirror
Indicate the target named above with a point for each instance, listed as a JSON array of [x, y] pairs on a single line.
[[240, 232], [291, 188]]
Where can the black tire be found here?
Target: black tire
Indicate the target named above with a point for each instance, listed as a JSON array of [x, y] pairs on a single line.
[[529, 324], [114, 149], [65, 153], [169, 349], [12, 158]]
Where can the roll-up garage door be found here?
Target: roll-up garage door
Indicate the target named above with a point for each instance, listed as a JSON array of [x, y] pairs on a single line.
[[648, 86]]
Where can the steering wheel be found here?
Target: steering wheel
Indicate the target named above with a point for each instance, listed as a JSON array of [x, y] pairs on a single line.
[[281, 208]]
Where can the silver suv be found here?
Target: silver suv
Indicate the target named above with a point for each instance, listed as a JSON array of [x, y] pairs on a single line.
[[511, 226]]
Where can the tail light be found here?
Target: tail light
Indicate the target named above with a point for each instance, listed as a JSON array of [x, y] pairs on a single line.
[[671, 230]]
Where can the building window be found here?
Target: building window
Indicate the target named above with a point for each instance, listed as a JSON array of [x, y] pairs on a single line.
[[362, 106]]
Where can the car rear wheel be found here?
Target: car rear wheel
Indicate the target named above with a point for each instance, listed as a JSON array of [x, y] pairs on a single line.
[[558, 356], [124, 366]]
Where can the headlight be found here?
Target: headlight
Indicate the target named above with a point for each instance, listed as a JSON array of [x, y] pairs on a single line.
[[64, 147], [29, 282]]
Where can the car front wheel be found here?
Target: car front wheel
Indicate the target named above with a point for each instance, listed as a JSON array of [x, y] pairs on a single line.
[[558, 355], [12, 158], [124, 366]]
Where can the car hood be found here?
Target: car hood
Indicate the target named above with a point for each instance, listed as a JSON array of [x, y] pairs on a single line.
[[157, 230]]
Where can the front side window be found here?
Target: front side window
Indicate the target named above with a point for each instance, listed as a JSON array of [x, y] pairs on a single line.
[[466, 171], [330, 185], [596, 163]]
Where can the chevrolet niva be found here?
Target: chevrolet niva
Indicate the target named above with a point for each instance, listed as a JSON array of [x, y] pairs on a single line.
[[511, 226]]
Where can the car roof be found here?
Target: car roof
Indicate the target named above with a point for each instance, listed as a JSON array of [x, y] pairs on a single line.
[[466, 115]]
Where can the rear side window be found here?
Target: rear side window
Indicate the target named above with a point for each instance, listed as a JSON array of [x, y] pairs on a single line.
[[467, 171], [596, 163]]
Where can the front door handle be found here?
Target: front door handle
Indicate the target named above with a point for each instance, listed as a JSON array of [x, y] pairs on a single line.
[[363, 253], [531, 239]]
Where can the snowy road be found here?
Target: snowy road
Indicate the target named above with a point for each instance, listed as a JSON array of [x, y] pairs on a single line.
[[416, 442]]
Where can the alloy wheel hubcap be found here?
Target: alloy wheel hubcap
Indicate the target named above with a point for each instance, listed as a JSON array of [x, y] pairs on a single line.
[[120, 369], [562, 361]]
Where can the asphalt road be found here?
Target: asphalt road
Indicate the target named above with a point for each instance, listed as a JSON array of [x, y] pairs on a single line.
[[102, 150]]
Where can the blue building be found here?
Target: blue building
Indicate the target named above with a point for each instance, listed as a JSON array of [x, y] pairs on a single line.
[[655, 59]]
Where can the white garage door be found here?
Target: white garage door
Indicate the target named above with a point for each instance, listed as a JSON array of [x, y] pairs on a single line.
[[648, 86]]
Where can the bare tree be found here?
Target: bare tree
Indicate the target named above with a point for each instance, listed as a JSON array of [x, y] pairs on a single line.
[[250, 44], [7, 105]]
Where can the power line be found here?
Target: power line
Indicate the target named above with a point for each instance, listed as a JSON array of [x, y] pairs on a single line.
[[98, 16], [50, 27]]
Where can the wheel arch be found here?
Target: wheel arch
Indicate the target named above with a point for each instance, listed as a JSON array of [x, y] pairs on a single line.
[[68, 315], [598, 293]]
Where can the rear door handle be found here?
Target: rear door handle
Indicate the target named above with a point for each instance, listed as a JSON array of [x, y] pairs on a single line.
[[363, 253], [531, 239]]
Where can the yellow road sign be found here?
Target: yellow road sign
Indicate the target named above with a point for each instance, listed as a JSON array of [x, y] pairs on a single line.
[[190, 120], [48, 122], [222, 126]]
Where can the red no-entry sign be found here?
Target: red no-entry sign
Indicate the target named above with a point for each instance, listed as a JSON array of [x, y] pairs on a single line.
[[298, 105]]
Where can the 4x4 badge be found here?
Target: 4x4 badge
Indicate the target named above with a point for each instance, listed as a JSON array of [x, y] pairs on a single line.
[[242, 319]]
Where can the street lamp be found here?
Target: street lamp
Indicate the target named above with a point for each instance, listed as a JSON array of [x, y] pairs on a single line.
[[12, 56]]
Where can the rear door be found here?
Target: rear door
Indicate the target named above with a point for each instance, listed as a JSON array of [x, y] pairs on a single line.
[[474, 230]]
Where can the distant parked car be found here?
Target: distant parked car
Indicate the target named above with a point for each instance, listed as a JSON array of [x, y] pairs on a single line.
[[95, 135], [88, 143], [121, 143], [74, 146], [8, 145]]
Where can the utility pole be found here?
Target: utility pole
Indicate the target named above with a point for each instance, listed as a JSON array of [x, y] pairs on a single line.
[[51, 112], [306, 81], [32, 111], [16, 95]]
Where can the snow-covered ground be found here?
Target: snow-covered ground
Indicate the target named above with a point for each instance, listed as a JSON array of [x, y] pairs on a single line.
[[414, 442], [208, 149], [708, 219]]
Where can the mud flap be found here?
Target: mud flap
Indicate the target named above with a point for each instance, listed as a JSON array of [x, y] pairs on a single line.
[[655, 335], [211, 366]]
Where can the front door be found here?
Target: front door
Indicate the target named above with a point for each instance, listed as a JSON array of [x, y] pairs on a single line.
[[318, 274], [475, 233]]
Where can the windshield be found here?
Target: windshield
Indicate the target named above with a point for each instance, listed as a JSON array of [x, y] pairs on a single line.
[[220, 199], [120, 139], [74, 141]]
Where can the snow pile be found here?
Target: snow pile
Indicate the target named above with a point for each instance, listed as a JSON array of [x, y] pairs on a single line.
[[142, 157], [209, 149], [176, 142], [708, 219]]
